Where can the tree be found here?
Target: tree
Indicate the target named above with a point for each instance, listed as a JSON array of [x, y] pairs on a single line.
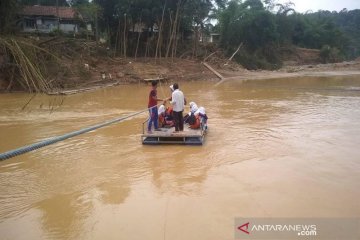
[[249, 23], [8, 15], [286, 22], [89, 12], [163, 22]]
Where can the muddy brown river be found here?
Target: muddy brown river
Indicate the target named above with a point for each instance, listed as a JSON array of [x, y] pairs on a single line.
[[275, 148]]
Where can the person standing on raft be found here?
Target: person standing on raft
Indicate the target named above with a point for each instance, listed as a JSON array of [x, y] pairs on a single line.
[[152, 105], [178, 102]]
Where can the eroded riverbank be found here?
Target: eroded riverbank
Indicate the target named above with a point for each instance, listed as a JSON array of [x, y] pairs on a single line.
[[128, 72]]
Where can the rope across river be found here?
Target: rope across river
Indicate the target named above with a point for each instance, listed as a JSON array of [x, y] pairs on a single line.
[[46, 142]]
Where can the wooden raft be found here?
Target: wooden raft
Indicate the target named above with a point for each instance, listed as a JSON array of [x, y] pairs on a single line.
[[167, 136]]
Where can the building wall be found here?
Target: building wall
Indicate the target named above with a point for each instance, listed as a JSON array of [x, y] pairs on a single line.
[[45, 25], [68, 27]]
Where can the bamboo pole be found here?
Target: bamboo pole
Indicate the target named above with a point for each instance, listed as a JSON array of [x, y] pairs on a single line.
[[160, 32], [174, 28], [117, 38], [213, 70], [138, 38], [125, 35], [174, 52], [227, 62]]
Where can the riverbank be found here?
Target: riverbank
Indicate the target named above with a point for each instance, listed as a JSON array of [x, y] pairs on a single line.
[[106, 72], [188, 70], [69, 66], [313, 70]]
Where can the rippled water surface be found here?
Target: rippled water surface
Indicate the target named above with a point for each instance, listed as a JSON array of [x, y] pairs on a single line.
[[275, 148]]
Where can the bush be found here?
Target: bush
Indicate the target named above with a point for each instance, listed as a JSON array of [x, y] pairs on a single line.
[[325, 53], [264, 58], [330, 55], [56, 32]]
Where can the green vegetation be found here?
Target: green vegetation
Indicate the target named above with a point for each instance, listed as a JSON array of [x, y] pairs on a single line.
[[265, 28], [171, 28], [8, 16]]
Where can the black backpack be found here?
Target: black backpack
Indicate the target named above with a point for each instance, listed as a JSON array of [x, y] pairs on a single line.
[[191, 120]]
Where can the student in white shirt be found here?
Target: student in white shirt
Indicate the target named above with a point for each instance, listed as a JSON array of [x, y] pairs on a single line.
[[178, 102]]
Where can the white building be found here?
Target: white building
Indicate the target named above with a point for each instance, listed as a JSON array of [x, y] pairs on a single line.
[[45, 19]]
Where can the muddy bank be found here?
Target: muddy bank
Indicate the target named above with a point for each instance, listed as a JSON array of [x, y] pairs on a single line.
[[178, 70], [68, 66], [189, 70], [107, 72], [314, 70], [261, 75]]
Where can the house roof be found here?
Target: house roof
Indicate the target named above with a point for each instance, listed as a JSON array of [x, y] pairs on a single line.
[[64, 12]]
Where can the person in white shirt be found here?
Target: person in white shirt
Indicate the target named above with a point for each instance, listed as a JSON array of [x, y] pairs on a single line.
[[193, 109], [178, 102]]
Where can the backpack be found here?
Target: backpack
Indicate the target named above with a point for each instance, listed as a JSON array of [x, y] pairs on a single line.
[[191, 119]]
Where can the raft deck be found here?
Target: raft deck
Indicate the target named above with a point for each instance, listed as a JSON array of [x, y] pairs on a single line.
[[167, 136]]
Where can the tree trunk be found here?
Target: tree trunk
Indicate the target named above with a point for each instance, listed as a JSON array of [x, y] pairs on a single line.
[[57, 15], [117, 38], [138, 38], [108, 33], [160, 33], [125, 36], [137, 45], [147, 45], [96, 29], [87, 32], [174, 52], [227, 62], [174, 29], [170, 35]]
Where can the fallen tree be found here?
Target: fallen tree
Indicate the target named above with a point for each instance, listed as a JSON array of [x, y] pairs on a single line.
[[24, 63]]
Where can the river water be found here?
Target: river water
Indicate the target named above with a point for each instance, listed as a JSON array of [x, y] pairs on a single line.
[[275, 148]]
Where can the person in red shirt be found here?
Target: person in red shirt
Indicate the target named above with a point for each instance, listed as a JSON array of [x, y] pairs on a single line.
[[152, 105]]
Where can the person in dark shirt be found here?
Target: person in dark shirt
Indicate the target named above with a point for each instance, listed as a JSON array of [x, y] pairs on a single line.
[[152, 105]]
